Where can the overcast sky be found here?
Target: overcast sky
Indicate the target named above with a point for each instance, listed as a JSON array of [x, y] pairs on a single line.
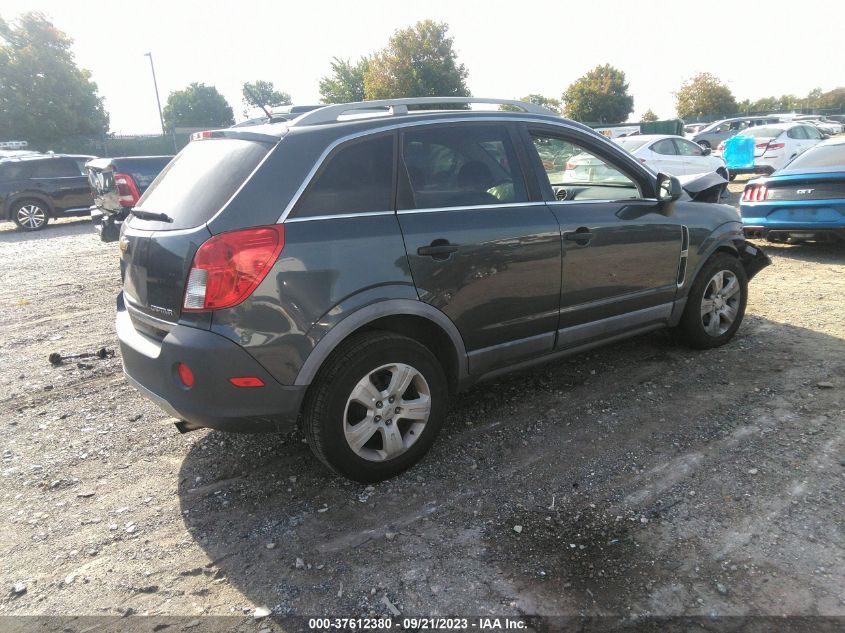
[[510, 48]]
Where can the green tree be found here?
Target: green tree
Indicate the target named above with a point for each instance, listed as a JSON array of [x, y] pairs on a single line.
[[197, 105], [44, 95], [346, 82], [263, 94], [832, 99], [547, 102], [704, 95], [649, 116], [600, 96], [419, 61]]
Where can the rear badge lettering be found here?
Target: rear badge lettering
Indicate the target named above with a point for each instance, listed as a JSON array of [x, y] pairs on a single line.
[[802, 192]]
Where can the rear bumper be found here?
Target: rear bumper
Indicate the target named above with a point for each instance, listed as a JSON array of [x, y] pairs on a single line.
[[799, 233], [106, 223], [212, 402]]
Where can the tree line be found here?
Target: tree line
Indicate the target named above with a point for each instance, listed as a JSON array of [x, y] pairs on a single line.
[[44, 96]]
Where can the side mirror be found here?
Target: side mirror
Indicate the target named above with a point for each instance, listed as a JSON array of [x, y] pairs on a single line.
[[706, 151], [668, 188], [825, 136]]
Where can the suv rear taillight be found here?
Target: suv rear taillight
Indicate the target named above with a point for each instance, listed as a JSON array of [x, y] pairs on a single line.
[[228, 267], [127, 190], [755, 193]]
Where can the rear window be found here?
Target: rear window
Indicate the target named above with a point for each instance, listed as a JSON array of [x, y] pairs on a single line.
[[819, 157], [630, 144], [200, 180], [763, 132]]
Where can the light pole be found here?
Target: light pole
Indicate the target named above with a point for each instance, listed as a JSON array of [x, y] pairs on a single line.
[[155, 84]]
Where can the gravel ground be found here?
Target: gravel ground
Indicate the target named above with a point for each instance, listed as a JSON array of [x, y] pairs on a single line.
[[642, 478]]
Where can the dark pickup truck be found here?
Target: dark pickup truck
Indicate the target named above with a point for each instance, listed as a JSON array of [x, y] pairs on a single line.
[[117, 184]]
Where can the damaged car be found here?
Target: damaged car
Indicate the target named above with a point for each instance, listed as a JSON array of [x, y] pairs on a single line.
[[352, 269]]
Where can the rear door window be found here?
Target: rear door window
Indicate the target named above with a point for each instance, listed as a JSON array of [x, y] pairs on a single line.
[[55, 168], [200, 181], [796, 133], [665, 147], [812, 133], [356, 178], [457, 166]]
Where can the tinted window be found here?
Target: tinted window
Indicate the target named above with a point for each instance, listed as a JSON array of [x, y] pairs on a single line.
[[796, 132], [665, 147], [13, 171], [820, 156], [200, 180], [356, 178], [55, 168], [584, 175], [460, 166], [686, 148]]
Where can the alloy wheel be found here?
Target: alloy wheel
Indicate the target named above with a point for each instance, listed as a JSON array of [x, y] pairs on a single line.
[[387, 412], [720, 303], [31, 216]]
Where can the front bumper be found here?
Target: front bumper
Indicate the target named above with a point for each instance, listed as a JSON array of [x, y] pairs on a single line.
[[212, 402]]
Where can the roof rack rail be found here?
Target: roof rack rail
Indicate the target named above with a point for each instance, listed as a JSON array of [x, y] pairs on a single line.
[[330, 113]]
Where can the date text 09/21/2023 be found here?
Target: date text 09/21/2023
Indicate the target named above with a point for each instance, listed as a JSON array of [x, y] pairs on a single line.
[[417, 623]]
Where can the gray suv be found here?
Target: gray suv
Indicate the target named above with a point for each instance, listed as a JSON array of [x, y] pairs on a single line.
[[351, 269]]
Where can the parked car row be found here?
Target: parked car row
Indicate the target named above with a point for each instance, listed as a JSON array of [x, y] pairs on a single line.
[[36, 187]]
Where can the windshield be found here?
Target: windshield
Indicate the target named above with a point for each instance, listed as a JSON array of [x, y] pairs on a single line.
[[200, 180], [763, 132], [819, 157], [630, 144]]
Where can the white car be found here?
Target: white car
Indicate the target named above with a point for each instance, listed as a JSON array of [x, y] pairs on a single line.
[[776, 145], [672, 155], [825, 125]]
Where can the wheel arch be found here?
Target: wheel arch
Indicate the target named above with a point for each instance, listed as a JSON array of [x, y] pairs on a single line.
[[408, 317], [28, 195]]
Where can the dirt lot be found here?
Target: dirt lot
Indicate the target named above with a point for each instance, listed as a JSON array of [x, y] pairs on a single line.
[[643, 478]]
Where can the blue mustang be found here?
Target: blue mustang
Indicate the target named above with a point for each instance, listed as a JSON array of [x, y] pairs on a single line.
[[803, 200]]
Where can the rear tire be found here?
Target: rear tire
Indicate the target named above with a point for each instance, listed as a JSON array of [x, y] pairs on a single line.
[[30, 215], [704, 144], [715, 304], [353, 415]]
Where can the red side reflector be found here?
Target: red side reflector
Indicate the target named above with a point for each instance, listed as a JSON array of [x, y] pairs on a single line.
[[247, 381], [185, 374]]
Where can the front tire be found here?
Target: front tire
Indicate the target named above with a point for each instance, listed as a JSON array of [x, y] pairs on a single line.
[[716, 303], [376, 406], [30, 215]]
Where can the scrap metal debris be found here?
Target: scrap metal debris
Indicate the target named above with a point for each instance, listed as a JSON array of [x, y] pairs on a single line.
[[57, 359]]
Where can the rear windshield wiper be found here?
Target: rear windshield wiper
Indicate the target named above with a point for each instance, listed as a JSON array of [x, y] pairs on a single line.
[[149, 215]]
